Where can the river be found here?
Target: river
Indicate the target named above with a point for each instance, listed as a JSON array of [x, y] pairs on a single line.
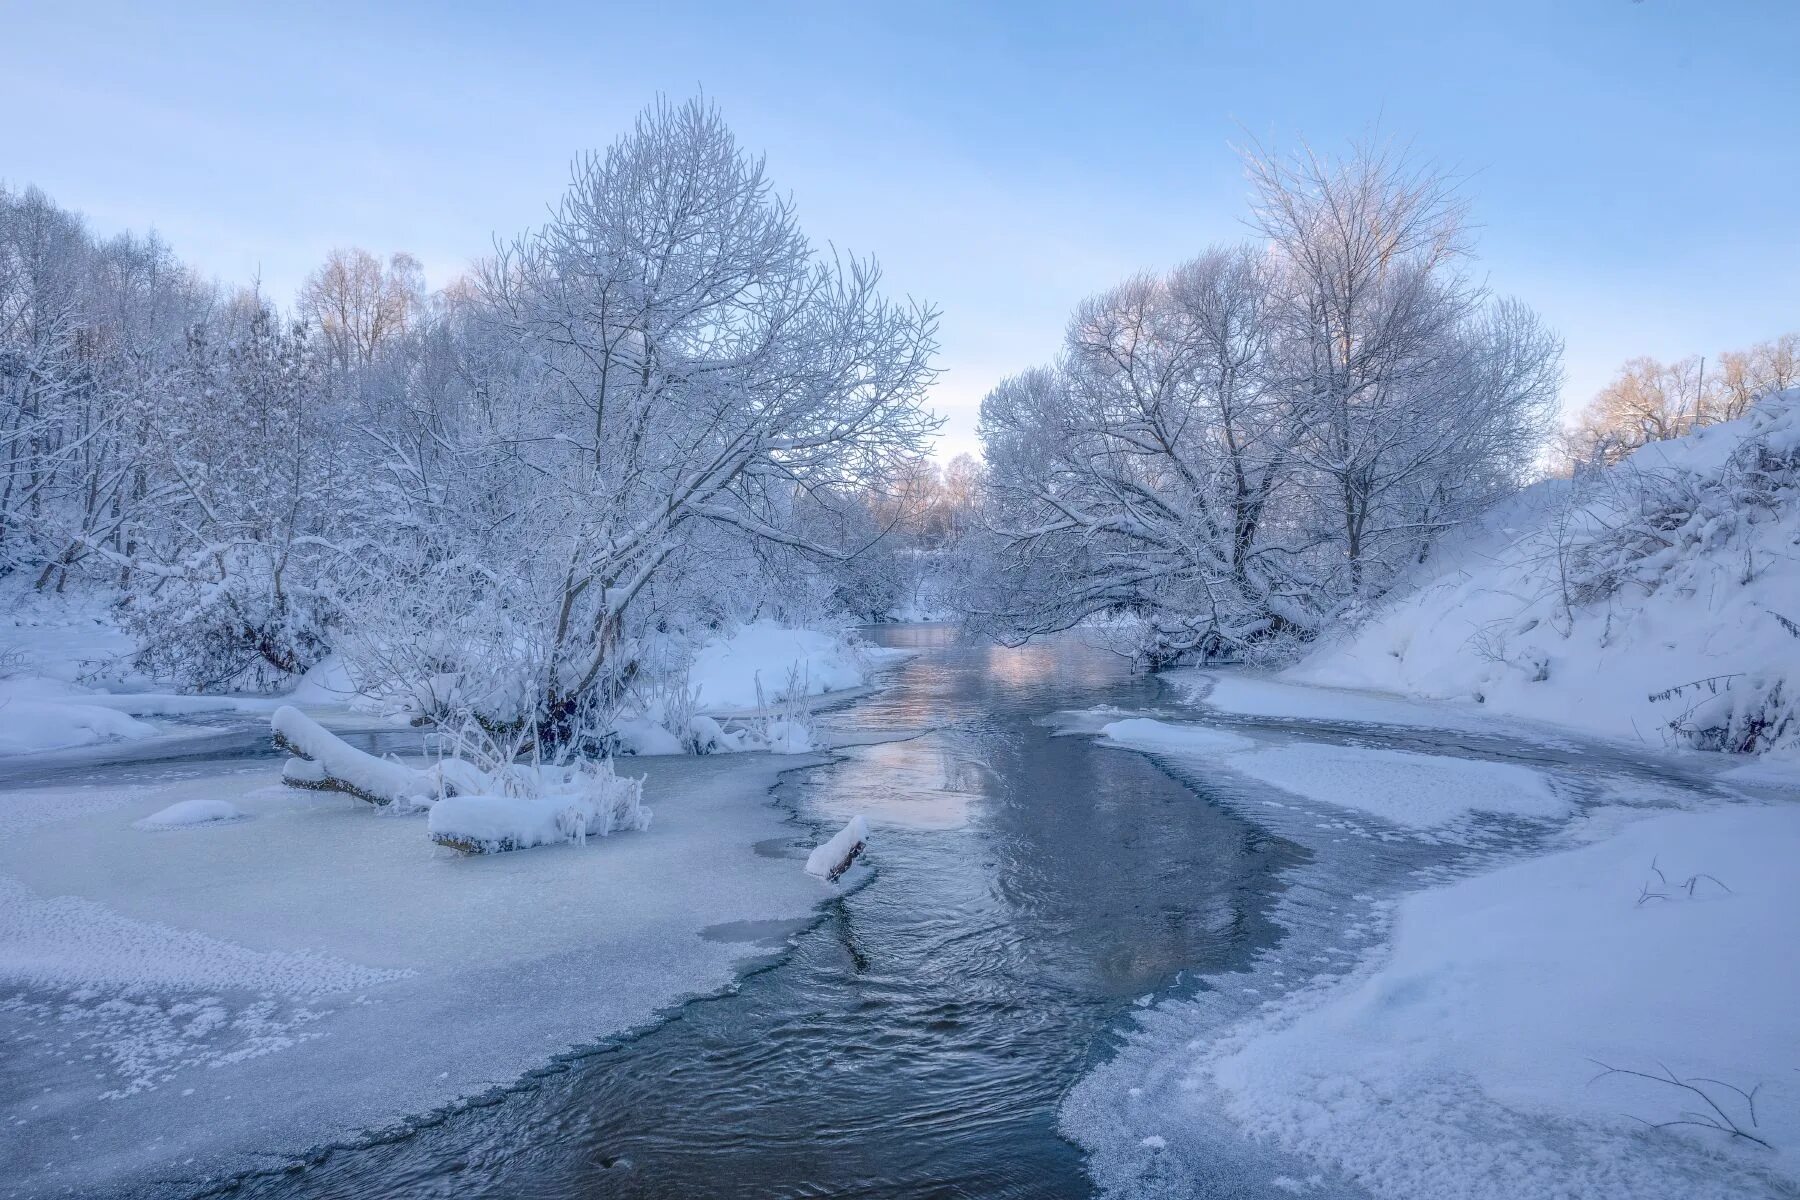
[[1031, 891]]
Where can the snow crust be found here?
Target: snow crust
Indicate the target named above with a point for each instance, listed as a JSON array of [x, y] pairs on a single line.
[[1578, 602], [1256, 696], [322, 967], [1144, 733], [1505, 996], [1421, 791]]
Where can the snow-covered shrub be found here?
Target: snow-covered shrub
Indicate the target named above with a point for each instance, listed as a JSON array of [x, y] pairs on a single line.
[[230, 634], [1740, 714], [235, 584]]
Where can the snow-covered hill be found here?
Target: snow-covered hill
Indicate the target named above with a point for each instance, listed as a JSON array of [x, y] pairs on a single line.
[[1656, 600]]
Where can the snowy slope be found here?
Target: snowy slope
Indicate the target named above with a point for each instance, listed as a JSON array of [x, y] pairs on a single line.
[[1675, 575]]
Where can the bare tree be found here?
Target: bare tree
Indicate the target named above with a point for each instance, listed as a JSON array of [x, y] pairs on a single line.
[[668, 355], [1236, 451], [359, 304]]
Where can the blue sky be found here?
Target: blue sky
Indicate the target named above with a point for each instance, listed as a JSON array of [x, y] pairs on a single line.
[[1635, 166]]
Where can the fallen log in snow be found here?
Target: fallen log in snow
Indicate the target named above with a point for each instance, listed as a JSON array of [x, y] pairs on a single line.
[[831, 859], [595, 802], [329, 764]]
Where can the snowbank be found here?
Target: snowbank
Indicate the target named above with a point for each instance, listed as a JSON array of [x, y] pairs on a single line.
[[1418, 790], [1505, 998], [185, 1005], [1143, 733], [46, 714], [190, 812], [1243, 695], [1422, 791], [800, 662], [1658, 600]]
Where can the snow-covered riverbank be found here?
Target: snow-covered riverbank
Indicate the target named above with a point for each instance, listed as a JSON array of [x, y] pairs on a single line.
[[1592, 1018], [183, 999]]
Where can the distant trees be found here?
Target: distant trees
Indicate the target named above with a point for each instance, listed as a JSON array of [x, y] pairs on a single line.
[[1237, 450], [359, 305], [1651, 401]]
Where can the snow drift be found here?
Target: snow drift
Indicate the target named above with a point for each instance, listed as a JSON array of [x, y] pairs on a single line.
[[1657, 600], [764, 661]]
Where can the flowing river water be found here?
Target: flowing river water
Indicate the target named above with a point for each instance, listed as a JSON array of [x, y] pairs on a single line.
[[1030, 893]]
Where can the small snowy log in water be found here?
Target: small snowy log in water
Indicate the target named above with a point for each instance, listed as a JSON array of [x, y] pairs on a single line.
[[831, 859], [332, 765], [590, 800]]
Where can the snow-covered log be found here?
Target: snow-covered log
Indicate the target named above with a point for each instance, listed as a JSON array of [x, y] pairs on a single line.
[[831, 859], [596, 803], [333, 765]]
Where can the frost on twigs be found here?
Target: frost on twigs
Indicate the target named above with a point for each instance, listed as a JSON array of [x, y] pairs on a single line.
[[831, 859]]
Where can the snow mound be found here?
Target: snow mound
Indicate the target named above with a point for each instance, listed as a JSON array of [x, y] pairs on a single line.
[[783, 662], [190, 812], [1657, 600], [1506, 997], [45, 714]]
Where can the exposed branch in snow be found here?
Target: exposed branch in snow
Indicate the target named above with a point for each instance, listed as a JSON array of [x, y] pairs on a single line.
[[1715, 1116]]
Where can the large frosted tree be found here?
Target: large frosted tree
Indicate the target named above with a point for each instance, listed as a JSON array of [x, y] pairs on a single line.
[[1237, 451]]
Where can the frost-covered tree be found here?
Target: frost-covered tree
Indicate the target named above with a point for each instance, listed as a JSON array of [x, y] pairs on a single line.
[[1652, 401], [1236, 452], [666, 361], [236, 581]]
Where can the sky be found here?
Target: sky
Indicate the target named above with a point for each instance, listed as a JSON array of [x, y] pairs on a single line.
[[1634, 167]]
